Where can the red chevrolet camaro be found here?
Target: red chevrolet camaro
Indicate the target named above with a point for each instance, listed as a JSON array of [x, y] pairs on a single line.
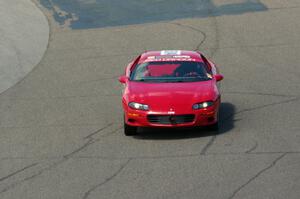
[[170, 88]]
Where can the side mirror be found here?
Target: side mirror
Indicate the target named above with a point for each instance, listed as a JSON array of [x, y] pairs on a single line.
[[123, 79], [219, 77]]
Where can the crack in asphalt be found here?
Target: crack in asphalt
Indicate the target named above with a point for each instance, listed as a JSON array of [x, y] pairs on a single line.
[[268, 105], [209, 144], [98, 131], [194, 29], [217, 38], [88, 192], [91, 140], [240, 40], [64, 97], [159, 157], [88, 143], [145, 157], [214, 50], [18, 171], [212, 140], [185, 155], [258, 108], [15, 184], [11, 186], [206, 48], [48, 125], [252, 148], [293, 98], [237, 190], [203, 151], [259, 93], [256, 176], [63, 160], [255, 46]]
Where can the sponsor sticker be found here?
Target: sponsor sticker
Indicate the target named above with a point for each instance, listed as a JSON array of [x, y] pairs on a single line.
[[151, 57], [170, 52], [181, 56], [170, 59]]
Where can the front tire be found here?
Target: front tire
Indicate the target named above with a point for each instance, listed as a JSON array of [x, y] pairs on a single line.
[[214, 127], [129, 130]]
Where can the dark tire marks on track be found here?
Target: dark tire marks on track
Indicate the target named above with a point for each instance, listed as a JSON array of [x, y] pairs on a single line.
[[18, 171], [257, 175], [212, 53], [194, 29], [65, 158], [88, 192]]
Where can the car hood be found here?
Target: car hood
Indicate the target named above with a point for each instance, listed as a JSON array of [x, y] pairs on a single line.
[[178, 97]]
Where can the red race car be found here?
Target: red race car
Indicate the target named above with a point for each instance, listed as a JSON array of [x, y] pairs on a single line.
[[170, 88]]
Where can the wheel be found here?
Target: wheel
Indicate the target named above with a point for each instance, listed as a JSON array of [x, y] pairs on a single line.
[[129, 130], [214, 127]]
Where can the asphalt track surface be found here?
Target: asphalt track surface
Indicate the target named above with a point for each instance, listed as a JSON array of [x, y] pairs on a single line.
[[24, 37], [61, 133]]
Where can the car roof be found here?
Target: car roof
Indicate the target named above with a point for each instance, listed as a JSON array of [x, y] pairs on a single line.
[[170, 55]]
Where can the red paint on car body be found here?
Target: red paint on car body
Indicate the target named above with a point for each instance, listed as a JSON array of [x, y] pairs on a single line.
[[171, 103]]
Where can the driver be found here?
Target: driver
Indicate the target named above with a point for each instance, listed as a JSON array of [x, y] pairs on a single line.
[[188, 69]]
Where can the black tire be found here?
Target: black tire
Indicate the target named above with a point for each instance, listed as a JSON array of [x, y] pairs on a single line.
[[214, 127], [129, 130]]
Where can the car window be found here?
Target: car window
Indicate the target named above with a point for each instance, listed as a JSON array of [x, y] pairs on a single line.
[[207, 65], [175, 71]]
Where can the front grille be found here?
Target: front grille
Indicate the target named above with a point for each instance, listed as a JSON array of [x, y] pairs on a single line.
[[170, 119]]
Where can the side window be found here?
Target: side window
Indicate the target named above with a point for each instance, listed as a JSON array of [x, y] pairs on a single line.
[[207, 64], [132, 65]]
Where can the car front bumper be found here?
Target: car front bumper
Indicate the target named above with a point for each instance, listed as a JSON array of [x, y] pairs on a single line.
[[202, 117]]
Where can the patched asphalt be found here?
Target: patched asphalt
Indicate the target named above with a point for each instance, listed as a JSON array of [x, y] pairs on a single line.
[[61, 133], [80, 14]]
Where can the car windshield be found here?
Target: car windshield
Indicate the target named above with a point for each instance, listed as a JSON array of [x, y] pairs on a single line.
[[174, 71]]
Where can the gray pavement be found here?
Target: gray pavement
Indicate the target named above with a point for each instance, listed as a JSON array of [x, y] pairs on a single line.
[[61, 132], [24, 37]]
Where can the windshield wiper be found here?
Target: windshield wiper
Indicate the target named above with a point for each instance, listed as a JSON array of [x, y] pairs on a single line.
[[140, 80], [177, 80]]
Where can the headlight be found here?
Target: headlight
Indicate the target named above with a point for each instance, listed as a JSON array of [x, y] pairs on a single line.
[[202, 105], [138, 106]]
